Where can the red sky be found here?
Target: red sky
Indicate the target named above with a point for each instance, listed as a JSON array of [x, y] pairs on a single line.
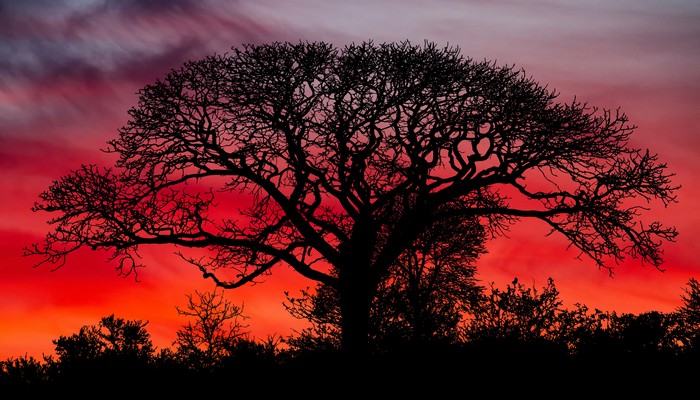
[[69, 72]]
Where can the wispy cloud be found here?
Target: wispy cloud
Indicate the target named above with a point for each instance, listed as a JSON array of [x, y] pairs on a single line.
[[59, 60]]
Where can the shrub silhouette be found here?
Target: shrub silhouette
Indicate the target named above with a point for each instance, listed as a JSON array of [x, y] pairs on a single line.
[[521, 336]]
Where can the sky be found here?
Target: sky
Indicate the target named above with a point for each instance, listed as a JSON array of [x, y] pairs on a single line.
[[70, 70]]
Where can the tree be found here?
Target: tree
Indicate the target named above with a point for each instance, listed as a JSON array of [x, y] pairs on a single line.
[[25, 372], [584, 332], [517, 313], [421, 300], [430, 285], [338, 159], [217, 324], [112, 337], [645, 334], [689, 317], [113, 350]]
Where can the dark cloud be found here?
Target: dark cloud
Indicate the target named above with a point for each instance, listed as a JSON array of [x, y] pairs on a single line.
[[55, 39], [60, 60], [156, 6]]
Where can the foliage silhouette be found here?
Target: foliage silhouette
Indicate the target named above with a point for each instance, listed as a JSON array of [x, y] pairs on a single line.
[[205, 342], [689, 317], [26, 372], [115, 351], [579, 345], [334, 161], [516, 312]]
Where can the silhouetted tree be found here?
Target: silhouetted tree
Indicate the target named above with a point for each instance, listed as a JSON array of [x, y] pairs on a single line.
[[516, 330], [206, 341], [647, 333], [326, 159], [114, 350], [110, 337], [421, 300], [320, 307], [646, 341], [516, 313], [430, 286], [25, 372], [582, 331], [689, 317]]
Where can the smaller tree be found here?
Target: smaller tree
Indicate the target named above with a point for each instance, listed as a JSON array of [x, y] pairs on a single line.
[[645, 334], [420, 301], [217, 324], [584, 332], [689, 317], [114, 349], [25, 372], [112, 338], [516, 313], [321, 309], [516, 323]]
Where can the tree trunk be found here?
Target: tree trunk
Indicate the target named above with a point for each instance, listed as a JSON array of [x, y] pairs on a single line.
[[355, 301], [356, 290]]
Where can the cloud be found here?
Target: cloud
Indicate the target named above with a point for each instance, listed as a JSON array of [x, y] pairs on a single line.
[[62, 62], [105, 40]]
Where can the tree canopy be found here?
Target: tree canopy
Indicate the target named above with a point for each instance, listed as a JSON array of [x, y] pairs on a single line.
[[340, 159]]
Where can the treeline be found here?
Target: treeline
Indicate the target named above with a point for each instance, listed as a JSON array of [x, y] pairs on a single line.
[[517, 330]]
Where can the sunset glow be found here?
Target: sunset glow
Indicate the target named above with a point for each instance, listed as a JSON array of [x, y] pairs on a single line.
[[70, 71]]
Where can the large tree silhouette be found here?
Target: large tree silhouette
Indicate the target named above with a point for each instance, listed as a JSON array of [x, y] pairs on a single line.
[[323, 158]]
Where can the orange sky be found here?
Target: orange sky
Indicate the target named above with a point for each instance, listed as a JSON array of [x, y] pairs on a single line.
[[69, 73]]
